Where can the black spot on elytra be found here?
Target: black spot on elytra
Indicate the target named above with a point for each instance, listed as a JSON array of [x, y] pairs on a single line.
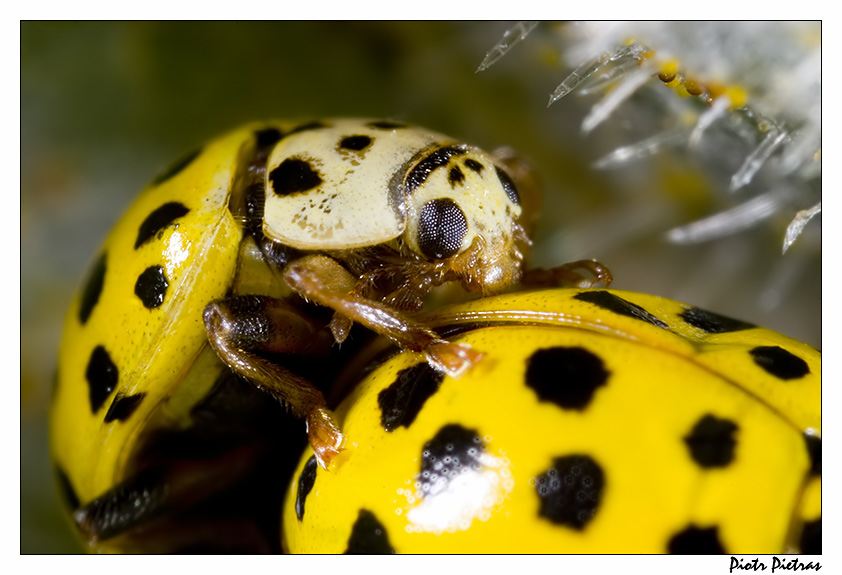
[[814, 450], [454, 450], [368, 536], [123, 407], [570, 491], [158, 220], [711, 441], [401, 402], [436, 159], [616, 304], [779, 362], [696, 541], [176, 167], [455, 176], [92, 290], [565, 376], [151, 286], [441, 228], [710, 322], [101, 375], [811, 538], [385, 125], [305, 484], [474, 165], [294, 175], [356, 143], [68, 494], [508, 186]]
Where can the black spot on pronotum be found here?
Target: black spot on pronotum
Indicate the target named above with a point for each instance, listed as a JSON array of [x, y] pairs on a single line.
[[441, 227], [814, 450], [452, 451], [508, 186], [618, 305], [176, 167], [92, 290], [356, 143], [305, 484], [368, 536], [474, 165], [710, 322], [696, 541], [565, 376], [401, 402], [123, 407], [570, 491], [711, 441], [158, 220], [779, 362], [68, 494], [386, 125], [151, 287], [101, 375], [455, 176], [294, 175], [436, 159]]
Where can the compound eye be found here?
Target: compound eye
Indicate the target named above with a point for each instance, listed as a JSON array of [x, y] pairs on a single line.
[[441, 228], [509, 186]]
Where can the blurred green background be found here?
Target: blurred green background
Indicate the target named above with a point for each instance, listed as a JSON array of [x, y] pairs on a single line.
[[106, 105]]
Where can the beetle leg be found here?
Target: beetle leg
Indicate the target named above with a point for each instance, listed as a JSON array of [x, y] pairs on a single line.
[[314, 277], [569, 275], [340, 327], [241, 327]]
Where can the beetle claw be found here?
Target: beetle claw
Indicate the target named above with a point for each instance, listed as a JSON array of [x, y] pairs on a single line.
[[324, 435], [452, 358]]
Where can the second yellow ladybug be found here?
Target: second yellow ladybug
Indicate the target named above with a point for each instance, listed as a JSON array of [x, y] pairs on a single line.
[[597, 422]]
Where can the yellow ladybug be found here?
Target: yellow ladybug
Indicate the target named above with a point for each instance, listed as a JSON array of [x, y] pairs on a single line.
[[232, 246], [598, 421]]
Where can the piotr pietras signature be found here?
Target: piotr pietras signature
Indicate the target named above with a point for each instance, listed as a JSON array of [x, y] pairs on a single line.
[[776, 564]]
